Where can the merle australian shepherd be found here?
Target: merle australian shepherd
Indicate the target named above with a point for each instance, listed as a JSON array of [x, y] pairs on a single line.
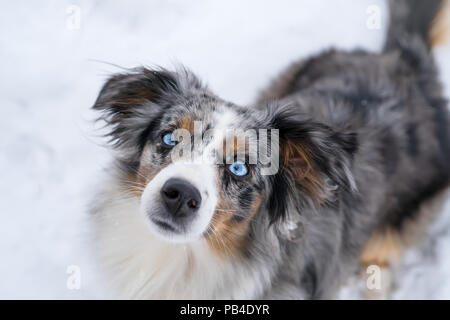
[[362, 142]]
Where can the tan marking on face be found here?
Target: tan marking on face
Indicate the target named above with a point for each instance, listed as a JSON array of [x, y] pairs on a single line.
[[228, 237], [187, 123], [135, 183], [237, 147]]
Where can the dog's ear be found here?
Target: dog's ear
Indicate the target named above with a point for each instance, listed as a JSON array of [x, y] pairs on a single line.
[[130, 101], [315, 161]]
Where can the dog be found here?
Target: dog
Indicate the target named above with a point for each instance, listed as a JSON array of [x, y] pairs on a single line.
[[359, 141]]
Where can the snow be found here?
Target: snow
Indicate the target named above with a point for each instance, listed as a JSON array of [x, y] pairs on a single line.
[[52, 153]]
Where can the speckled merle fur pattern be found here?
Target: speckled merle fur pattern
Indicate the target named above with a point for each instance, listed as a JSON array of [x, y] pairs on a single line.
[[377, 129]]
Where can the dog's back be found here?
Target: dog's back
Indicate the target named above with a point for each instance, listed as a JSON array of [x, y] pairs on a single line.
[[394, 103]]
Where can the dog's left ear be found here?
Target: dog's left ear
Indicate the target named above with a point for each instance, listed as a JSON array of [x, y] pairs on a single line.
[[315, 161]]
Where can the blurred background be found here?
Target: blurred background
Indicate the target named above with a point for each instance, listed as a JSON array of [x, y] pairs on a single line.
[[54, 57]]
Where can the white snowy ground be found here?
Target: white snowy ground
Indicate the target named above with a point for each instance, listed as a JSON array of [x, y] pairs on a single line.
[[51, 155]]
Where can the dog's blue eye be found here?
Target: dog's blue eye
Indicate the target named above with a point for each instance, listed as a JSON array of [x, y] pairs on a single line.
[[168, 139], [238, 168]]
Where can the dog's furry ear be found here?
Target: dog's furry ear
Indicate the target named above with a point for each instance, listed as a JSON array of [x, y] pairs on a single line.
[[315, 162], [130, 101]]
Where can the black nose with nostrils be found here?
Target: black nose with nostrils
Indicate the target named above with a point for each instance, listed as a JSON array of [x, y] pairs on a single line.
[[180, 197]]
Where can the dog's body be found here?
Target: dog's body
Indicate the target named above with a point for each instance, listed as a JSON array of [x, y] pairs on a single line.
[[364, 140]]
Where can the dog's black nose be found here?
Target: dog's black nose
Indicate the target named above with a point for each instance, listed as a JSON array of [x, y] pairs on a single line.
[[180, 197]]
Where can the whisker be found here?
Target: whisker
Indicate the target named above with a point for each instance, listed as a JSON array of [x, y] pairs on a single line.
[[134, 183]]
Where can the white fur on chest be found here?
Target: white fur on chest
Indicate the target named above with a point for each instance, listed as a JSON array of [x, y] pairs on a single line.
[[138, 265]]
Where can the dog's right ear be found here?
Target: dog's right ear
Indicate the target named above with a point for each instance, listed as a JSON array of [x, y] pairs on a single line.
[[130, 101]]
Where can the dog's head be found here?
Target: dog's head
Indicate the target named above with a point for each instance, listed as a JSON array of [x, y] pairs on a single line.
[[205, 168]]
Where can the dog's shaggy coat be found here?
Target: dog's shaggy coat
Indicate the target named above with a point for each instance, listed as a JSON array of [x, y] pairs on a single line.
[[364, 141]]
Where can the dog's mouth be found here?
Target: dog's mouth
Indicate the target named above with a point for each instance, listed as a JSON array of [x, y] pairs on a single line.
[[174, 229], [165, 225]]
